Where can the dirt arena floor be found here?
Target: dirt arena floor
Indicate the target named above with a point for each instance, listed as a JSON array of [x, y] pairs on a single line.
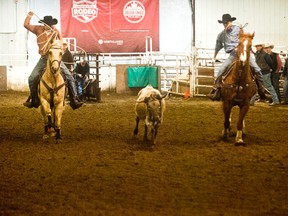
[[100, 169]]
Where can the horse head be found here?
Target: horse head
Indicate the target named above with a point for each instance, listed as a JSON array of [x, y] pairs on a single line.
[[244, 46], [55, 55]]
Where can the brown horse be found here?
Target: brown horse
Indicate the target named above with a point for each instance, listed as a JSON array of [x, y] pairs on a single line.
[[52, 92], [238, 86]]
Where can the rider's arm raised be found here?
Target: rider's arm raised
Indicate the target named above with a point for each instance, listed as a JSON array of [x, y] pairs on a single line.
[[27, 24]]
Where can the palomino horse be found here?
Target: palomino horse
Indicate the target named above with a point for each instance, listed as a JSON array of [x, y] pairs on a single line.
[[238, 86], [52, 92]]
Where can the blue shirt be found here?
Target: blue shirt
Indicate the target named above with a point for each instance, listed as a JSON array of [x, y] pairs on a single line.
[[229, 39]]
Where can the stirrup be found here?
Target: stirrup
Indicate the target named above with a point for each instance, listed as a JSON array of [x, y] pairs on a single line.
[[215, 94]]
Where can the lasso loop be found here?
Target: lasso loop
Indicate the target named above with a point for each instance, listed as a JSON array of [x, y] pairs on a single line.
[[54, 35]]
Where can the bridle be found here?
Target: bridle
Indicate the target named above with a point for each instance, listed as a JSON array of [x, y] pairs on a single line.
[[54, 60]]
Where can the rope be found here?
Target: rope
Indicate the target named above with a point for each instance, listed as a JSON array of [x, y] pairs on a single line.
[[85, 53], [54, 32]]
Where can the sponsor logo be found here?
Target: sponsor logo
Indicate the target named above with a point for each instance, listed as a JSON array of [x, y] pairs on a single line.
[[84, 10], [134, 11], [118, 42]]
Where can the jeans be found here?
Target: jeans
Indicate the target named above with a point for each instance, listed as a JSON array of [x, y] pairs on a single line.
[[41, 64], [275, 77], [268, 85], [226, 64], [285, 89], [36, 71], [230, 60], [80, 84]]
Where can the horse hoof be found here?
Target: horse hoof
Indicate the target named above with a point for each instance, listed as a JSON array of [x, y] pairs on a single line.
[[52, 134], [58, 141], [153, 146], [240, 143], [45, 137], [225, 137]]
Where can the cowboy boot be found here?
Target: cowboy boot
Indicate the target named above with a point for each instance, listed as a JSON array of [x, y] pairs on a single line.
[[33, 99], [215, 93], [28, 102], [74, 100]]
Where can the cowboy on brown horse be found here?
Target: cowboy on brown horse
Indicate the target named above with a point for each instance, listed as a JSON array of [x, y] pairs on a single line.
[[238, 87], [229, 40]]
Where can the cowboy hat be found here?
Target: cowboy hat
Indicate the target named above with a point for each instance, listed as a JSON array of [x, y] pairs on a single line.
[[258, 44], [226, 18], [268, 45], [49, 20]]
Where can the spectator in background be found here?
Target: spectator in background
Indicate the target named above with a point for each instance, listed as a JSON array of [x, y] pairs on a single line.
[[285, 86], [82, 71], [265, 62], [277, 65], [67, 58]]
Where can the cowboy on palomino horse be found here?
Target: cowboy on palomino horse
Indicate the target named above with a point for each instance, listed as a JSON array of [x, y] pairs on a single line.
[[229, 39], [44, 35], [52, 92]]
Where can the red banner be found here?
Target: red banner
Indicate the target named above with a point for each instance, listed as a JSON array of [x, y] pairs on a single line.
[[104, 26]]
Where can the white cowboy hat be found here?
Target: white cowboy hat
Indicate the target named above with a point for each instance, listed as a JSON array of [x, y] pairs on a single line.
[[268, 45], [258, 43]]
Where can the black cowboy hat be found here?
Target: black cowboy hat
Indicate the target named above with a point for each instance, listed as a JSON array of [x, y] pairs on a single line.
[[49, 20], [226, 18]]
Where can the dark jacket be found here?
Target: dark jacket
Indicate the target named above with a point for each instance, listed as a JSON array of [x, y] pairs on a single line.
[[285, 72], [68, 60], [82, 70], [264, 61], [274, 60]]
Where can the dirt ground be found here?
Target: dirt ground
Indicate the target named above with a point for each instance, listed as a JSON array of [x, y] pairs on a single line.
[[100, 169]]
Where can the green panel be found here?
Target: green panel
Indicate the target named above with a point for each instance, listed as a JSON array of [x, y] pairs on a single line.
[[142, 76]]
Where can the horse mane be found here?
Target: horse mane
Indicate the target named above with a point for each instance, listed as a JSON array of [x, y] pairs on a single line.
[[238, 64], [242, 37], [55, 44]]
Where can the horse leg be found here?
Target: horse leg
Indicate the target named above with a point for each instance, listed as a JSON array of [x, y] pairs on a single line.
[[227, 112], [48, 124], [58, 135], [46, 127], [58, 111], [242, 113]]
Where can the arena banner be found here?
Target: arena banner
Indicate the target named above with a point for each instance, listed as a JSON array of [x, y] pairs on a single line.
[[105, 26]]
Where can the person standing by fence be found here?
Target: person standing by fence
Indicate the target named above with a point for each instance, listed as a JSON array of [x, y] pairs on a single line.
[[276, 68], [285, 86], [265, 62], [67, 57], [82, 71]]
